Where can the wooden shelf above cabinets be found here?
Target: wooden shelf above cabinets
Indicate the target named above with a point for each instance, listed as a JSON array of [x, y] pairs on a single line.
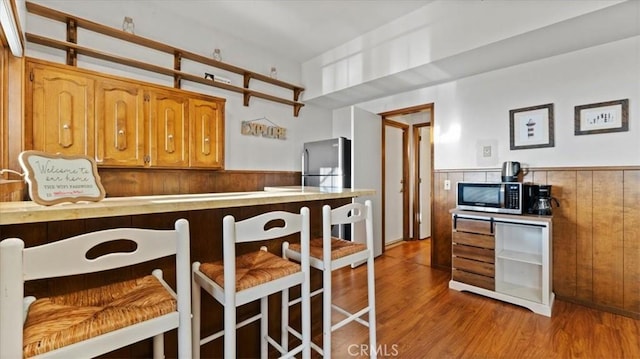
[[73, 49]]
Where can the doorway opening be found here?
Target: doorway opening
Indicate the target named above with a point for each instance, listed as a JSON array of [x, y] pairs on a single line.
[[407, 176]]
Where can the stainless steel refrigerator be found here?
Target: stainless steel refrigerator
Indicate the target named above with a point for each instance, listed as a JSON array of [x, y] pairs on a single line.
[[327, 163]]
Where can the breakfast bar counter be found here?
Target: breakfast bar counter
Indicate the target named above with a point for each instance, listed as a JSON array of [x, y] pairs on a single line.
[[37, 224], [31, 212]]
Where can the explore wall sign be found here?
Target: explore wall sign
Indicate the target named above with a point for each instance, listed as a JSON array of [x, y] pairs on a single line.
[[253, 128], [58, 178]]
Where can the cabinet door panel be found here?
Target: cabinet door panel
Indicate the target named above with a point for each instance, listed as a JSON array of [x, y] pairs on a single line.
[[207, 133], [60, 109], [120, 124], [169, 130]]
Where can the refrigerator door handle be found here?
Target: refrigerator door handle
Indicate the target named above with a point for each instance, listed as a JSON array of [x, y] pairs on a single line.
[[305, 162]]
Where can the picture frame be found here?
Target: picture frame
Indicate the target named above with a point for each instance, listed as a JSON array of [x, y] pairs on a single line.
[[602, 117], [531, 127]]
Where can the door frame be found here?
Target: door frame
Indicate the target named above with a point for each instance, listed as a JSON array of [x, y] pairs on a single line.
[[405, 176], [407, 111], [416, 176]]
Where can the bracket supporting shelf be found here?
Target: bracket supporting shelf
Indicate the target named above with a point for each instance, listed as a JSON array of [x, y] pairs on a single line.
[[72, 49]]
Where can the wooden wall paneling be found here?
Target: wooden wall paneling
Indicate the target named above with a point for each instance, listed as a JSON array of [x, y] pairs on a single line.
[[564, 232], [584, 235], [608, 239], [445, 200], [631, 241], [539, 177]]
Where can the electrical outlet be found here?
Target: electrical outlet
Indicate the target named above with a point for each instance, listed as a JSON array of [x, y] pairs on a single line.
[[447, 185], [486, 151]]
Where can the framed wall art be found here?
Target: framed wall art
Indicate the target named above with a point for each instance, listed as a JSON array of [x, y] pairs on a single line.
[[602, 117], [56, 178], [531, 127]]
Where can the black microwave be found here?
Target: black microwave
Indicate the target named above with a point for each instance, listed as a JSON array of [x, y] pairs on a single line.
[[498, 197]]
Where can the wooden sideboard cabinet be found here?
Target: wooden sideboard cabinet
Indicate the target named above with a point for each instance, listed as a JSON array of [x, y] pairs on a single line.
[[60, 108], [122, 122], [505, 257]]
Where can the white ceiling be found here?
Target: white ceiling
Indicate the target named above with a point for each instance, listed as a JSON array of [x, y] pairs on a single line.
[[303, 29], [296, 29]]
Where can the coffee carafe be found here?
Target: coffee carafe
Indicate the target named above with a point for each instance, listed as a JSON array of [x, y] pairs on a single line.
[[510, 171], [542, 203]]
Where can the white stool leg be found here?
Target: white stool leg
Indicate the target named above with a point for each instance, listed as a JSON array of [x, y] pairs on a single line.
[[229, 328], [306, 316], [284, 323], [326, 311], [195, 309], [264, 327], [158, 346], [371, 280]]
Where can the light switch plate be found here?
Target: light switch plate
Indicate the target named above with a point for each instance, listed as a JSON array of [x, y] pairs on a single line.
[[447, 185]]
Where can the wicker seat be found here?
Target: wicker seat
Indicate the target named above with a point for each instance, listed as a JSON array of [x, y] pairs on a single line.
[[328, 254], [254, 275], [97, 320]]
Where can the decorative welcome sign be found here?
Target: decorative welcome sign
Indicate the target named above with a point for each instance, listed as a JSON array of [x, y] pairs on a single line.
[[54, 179], [259, 129]]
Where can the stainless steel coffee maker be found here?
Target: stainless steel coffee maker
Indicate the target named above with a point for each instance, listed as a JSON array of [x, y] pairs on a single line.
[[510, 171], [540, 200]]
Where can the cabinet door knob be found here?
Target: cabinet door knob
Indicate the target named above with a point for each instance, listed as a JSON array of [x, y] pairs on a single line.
[[170, 136], [65, 126], [121, 132], [206, 139]]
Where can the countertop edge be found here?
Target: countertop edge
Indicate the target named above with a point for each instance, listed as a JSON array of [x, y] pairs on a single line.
[[30, 212]]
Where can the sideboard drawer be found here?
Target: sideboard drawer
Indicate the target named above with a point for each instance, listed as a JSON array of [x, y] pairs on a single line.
[[473, 226], [470, 265], [472, 239], [479, 254], [474, 279]]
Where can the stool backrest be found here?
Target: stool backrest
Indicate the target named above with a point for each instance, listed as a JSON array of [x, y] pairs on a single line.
[[72, 256]]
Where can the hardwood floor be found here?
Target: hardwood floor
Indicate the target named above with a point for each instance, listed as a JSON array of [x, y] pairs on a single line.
[[418, 316]]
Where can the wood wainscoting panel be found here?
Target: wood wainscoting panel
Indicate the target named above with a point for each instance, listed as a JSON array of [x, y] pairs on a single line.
[[444, 201], [631, 240], [608, 249], [596, 235], [119, 182], [564, 231], [584, 236]]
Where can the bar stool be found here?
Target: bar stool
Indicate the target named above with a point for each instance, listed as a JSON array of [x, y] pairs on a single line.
[[253, 276], [94, 321], [328, 254]]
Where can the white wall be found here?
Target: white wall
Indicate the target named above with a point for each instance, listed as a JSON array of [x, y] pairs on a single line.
[[476, 108], [241, 152]]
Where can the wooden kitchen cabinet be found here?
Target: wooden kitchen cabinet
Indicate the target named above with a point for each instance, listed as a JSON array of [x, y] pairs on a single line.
[[59, 107], [207, 133], [120, 123], [169, 129], [505, 257]]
